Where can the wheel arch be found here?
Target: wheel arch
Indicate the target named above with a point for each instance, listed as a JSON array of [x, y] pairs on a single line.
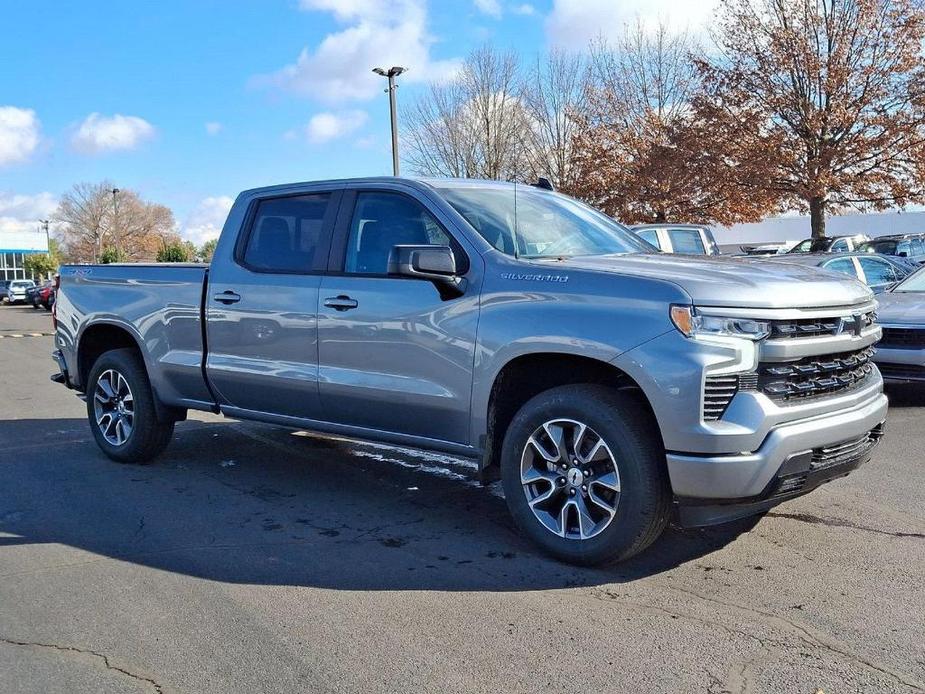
[[104, 336], [527, 375]]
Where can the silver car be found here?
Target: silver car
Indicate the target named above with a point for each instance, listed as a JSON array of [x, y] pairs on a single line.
[[16, 292], [900, 354]]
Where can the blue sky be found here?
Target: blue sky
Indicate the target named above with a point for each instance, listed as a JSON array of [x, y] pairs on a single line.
[[190, 102]]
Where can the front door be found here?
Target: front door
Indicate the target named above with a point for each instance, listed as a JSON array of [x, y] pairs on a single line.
[[262, 306], [393, 354]]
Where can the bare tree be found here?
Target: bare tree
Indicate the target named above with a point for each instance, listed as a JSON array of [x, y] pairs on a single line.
[[832, 92], [90, 220], [555, 97], [474, 126]]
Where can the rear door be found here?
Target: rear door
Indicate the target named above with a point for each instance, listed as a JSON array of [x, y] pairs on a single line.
[[393, 354], [262, 303]]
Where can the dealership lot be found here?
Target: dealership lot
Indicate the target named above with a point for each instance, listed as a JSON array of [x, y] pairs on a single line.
[[253, 558]]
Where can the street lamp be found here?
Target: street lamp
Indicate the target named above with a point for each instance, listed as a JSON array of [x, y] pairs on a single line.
[[45, 223], [115, 211], [392, 73]]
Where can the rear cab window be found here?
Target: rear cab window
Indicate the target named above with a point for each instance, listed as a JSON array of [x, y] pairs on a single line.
[[686, 241]]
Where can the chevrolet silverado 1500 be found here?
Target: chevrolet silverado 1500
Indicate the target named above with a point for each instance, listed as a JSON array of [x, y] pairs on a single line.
[[612, 389]]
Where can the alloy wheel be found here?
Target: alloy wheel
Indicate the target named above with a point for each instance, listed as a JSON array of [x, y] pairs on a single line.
[[114, 407], [570, 478]]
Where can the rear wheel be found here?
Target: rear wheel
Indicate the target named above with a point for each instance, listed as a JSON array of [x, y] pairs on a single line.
[[120, 407], [584, 474]]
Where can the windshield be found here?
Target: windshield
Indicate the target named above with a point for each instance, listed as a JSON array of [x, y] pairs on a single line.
[[21, 284], [913, 283], [540, 224]]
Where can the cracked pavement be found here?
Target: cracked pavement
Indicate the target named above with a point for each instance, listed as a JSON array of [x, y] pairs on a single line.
[[252, 558]]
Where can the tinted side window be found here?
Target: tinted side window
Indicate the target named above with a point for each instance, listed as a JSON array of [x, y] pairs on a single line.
[[686, 241], [383, 220], [285, 235], [842, 265], [839, 246], [877, 271], [650, 235]]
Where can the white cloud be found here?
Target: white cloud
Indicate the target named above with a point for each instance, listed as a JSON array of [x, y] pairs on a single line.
[[490, 7], [19, 134], [380, 33], [525, 9], [214, 127], [110, 133], [573, 23], [21, 213], [206, 220], [326, 126]]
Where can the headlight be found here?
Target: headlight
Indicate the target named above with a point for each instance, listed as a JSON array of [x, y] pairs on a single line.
[[691, 324]]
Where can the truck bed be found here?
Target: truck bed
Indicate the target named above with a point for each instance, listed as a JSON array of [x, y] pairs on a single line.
[[159, 304]]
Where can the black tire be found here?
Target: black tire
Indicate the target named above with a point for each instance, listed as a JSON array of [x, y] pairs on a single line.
[[620, 419], [148, 437]]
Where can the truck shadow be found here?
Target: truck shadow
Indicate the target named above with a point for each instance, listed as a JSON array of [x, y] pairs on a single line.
[[247, 503]]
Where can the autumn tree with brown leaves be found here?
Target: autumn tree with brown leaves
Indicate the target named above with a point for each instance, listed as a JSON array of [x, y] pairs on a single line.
[[831, 92], [91, 221], [641, 154]]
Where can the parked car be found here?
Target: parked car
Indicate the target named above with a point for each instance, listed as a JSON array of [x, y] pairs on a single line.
[[16, 291], [766, 248], [612, 389], [911, 246], [900, 353], [687, 239], [46, 296], [879, 272], [830, 244], [33, 294]]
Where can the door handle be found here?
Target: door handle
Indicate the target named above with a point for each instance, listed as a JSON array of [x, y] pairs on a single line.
[[341, 303], [227, 297]]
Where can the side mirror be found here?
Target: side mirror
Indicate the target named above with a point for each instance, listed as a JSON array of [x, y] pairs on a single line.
[[434, 263], [903, 254]]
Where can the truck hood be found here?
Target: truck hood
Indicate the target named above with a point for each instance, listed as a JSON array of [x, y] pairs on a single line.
[[906, 308], [733, 282]]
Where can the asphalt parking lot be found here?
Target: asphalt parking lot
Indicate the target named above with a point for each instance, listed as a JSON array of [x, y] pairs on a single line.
[[256, 559]]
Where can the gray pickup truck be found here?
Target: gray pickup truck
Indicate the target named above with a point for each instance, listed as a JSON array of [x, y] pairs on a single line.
[[612, 389]]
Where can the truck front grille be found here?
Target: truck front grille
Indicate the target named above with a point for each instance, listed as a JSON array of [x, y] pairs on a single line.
[[903, 337], [819, 327], [814, 376]]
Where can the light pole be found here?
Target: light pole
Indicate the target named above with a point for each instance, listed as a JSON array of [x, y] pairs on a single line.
[[45, 223], [392, 73], [115, 210]]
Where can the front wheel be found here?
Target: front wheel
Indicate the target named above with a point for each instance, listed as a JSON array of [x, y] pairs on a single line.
[[584, 475], [120, 407]]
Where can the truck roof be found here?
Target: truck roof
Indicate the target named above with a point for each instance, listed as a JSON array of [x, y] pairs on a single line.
[[415, 182]]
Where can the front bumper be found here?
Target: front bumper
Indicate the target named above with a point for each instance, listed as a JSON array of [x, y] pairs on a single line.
[[800, 474], [748, 475]]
